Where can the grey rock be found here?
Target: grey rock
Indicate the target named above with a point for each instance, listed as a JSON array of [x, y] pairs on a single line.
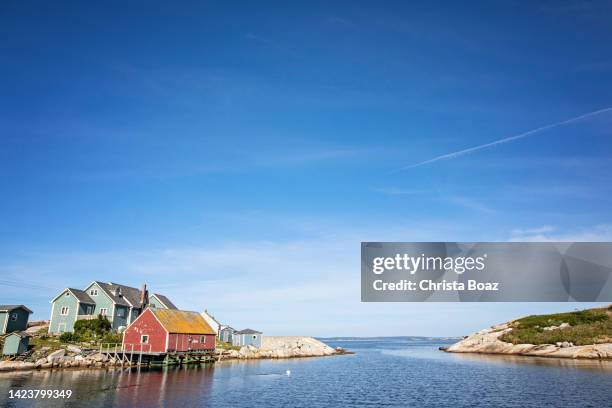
[[73, 349], [40, 362], [98, 357], [56, 356], [16, 365]]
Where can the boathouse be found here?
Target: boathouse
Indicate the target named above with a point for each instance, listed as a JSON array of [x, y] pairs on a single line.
[[168, 331]]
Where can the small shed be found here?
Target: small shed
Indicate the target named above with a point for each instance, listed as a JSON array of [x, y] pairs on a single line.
[[226, 334], [13, 318], [16, 343], [247, 337], [169, 330]]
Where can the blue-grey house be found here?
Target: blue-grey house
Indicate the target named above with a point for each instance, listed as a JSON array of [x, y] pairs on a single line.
[[120, 304], [13, 318], [226, 334], [247, 337]]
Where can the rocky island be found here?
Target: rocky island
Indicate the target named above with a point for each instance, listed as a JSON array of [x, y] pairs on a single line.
[[580, 334], [281, 347]]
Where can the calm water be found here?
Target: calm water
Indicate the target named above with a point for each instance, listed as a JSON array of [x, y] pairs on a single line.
[[394, 372]]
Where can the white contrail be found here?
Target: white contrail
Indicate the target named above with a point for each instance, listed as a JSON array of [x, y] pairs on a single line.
[[505, 140]]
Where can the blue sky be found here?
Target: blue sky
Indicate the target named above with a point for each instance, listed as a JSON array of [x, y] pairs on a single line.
[[235, 156]]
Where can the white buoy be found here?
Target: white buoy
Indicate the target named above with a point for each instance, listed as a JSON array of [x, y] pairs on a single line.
[[288, 372]]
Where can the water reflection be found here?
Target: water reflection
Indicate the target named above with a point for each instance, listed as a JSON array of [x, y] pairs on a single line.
[[597, 365], [114, 387], [391, 373]]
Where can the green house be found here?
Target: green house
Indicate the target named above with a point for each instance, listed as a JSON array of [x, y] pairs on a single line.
[[120, 304], [13, 318], [15, 343]]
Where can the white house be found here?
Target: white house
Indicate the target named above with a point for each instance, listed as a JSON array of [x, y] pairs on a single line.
[[212, 322]]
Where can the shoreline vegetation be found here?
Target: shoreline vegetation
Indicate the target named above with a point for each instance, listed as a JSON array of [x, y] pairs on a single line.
[[52, 352], [583, 334]]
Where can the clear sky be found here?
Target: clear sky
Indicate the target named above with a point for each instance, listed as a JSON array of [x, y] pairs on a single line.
[[234, 156]]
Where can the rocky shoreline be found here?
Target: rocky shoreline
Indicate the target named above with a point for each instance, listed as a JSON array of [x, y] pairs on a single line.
[[77, 357], [487, 342]]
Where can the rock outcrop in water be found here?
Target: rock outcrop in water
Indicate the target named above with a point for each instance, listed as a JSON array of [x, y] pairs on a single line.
[[487, 342], [282, 347]]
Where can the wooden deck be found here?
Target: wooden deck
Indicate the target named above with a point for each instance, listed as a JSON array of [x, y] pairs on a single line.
[[141, 356]]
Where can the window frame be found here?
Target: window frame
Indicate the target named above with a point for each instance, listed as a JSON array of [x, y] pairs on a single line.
[[64, 311], [93, 292], [14, 317], [143, 337], [104, 311]]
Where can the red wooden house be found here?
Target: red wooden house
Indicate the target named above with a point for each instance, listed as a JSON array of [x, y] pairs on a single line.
[[167, 330]]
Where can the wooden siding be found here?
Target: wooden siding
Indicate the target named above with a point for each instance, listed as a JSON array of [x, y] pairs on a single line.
[[20, 324], [3, 317], [247, 339], [187, 342], [145, 324], [103, 301], [154, 302], [64, 323], [15, 345]]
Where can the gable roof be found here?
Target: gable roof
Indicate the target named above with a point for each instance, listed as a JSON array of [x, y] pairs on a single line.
[[21, 334], [8, 308], [82, 296], [248, 331], [128, 296], [165, 301], [180, 321], [79, 294]]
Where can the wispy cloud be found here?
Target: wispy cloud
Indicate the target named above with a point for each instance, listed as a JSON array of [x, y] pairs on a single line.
[[537, 230], [547, 233], [459, 153], [470, 204], [396, 191]]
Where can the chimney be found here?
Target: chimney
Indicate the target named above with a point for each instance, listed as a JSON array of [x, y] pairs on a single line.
[[144, 296]]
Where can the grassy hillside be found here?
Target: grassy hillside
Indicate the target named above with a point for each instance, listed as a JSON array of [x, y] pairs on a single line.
[[592, 326]]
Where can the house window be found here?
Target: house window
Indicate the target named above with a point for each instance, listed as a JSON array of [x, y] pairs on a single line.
[[89, 310], [93, 292], [144, 339], [120, 312], [202, 339], [64, 311], [13, 317], [104, 311]]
